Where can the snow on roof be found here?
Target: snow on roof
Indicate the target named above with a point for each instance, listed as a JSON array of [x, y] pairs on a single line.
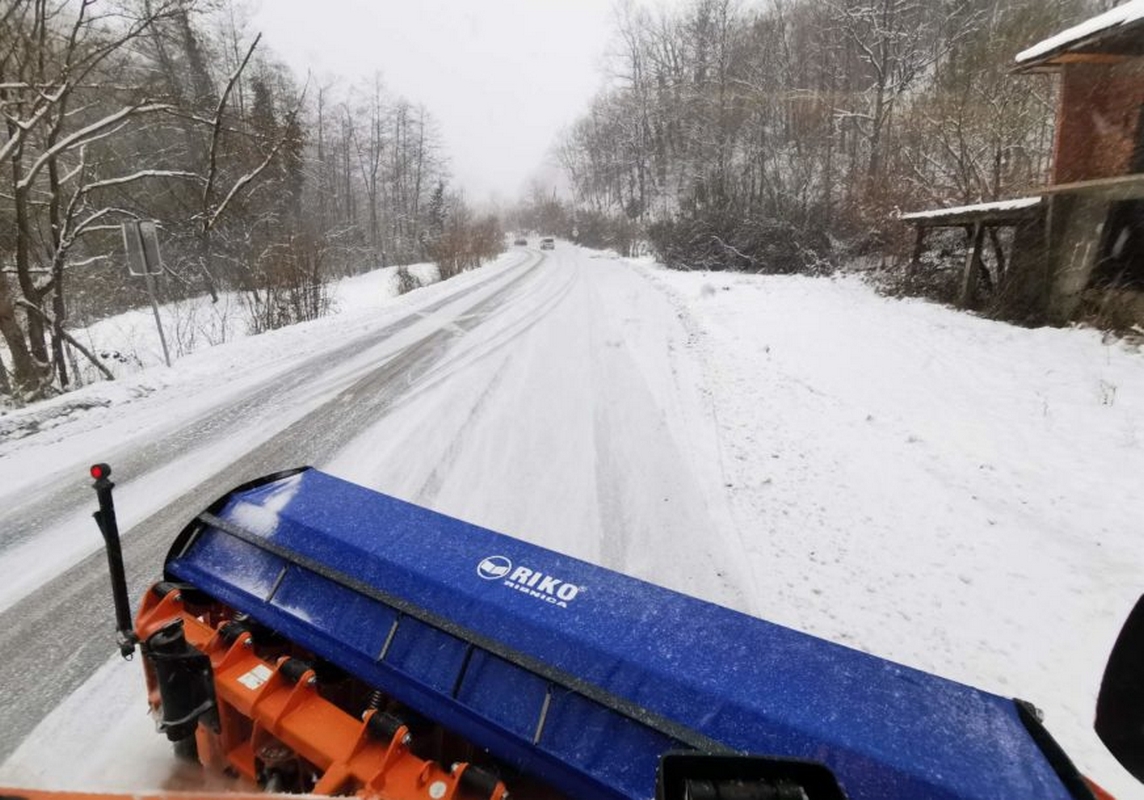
[[1015, 204], [1124, 14]]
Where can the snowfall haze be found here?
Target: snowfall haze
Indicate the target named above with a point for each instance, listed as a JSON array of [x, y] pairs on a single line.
[[502, 77]]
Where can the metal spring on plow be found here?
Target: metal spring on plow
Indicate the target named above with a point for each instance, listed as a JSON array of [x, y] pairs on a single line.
[[375, 698]]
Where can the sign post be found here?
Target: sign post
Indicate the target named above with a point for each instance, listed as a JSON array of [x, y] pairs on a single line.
[[141, 241]]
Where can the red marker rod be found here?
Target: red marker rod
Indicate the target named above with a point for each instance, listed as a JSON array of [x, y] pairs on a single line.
[[105, 518]]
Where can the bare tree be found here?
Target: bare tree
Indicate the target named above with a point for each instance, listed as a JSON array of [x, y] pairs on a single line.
[[57, 59]]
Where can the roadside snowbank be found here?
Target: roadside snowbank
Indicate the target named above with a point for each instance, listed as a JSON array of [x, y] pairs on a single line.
[[129, 345]]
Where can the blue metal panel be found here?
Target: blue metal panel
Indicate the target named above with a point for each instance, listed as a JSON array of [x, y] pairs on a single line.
[[560, 644]]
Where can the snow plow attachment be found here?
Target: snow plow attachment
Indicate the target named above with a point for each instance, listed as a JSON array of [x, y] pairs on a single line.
[[318, 636]]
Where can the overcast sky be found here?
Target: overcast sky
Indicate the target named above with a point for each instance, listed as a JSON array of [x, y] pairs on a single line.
[[502, 77]]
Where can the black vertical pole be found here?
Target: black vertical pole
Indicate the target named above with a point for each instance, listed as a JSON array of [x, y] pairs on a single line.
[[105, 518]]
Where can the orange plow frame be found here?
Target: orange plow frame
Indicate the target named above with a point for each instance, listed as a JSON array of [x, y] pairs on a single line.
[[263, 715], [37, 794]]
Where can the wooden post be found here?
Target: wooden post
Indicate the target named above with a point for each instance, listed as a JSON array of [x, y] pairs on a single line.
[[999, 253], [919, 246], [1045, 295], [969, 274]]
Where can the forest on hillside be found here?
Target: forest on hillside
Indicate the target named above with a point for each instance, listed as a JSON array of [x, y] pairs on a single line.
[[263, 183], [770, 136], [783, 136]]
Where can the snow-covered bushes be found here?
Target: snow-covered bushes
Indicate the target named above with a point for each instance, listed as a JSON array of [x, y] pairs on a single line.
[[288, 286], [717, 240], [602, 231], [406, 281]]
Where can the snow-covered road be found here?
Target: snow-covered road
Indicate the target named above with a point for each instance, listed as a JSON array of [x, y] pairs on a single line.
[[942, 490]]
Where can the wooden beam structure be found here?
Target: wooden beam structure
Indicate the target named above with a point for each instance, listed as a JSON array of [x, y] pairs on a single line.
[[1119, 187], [972, 265], [1001, 212]]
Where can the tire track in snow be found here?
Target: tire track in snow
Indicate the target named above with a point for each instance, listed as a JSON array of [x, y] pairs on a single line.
[[436, 479], [744, 580], [466, 357], [656, 519], [533, 304]]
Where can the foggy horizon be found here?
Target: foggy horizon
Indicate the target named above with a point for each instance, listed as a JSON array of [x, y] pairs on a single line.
[[501, 79]]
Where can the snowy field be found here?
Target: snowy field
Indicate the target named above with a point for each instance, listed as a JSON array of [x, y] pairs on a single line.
[[955, 494]]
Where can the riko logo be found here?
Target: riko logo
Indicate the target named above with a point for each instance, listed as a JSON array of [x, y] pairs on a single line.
[[494, 567], [532, 582]]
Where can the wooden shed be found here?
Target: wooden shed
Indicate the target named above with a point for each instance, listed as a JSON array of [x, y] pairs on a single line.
[[1078, 249]]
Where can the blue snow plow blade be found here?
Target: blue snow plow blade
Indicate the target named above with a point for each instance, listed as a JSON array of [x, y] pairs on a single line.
[[584, 677]]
